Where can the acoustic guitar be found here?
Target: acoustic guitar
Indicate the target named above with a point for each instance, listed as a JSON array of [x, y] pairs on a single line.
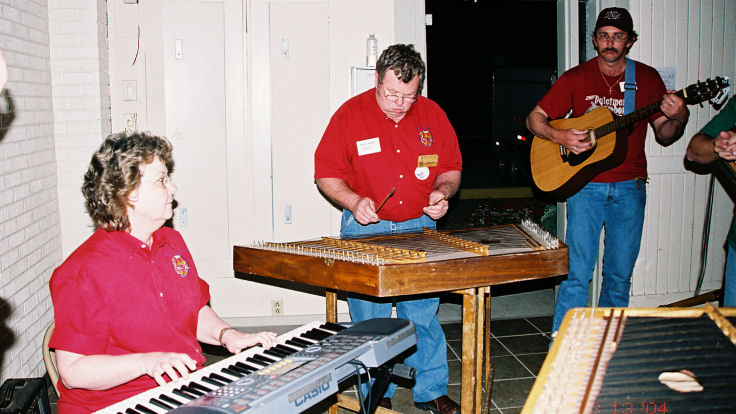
[[562, 173]]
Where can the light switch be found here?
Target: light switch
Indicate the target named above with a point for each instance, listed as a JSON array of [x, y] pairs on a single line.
[[284, 48], [179, 49], [129, 90]]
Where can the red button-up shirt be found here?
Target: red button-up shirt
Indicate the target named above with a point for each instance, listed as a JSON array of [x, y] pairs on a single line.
[[373, 154]]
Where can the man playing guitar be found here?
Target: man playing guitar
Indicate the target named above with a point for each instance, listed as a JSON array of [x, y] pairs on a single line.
[[615, 198]]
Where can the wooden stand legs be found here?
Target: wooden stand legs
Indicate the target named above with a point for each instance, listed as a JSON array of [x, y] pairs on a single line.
[[476, 347]]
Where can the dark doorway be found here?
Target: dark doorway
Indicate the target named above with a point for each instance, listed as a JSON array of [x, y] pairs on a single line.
[[467, 43]]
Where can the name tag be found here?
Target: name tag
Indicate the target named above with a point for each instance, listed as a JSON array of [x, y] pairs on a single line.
[[368, 146], [429, 160]]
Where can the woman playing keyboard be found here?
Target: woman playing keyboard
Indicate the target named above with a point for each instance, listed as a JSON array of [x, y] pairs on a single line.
[[129, 306]]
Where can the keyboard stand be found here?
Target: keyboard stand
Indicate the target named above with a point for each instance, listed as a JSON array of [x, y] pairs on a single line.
[[383, 375]]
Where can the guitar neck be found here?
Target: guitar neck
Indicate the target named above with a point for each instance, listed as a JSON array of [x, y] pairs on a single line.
[[632, 118]]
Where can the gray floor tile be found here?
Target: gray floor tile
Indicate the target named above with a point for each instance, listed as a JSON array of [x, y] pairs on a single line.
[[543, 323], [533, 362], [512, 327], [511, 393], [508, 367], [453, 330], [526, 344]]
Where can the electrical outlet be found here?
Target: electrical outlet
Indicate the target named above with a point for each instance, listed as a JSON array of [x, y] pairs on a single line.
[[277, 307], [131, 122]]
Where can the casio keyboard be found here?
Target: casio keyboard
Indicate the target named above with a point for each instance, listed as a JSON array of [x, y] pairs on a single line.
[[302, 370]]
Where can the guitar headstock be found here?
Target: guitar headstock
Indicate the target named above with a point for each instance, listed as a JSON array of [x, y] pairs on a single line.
[[714, 90]]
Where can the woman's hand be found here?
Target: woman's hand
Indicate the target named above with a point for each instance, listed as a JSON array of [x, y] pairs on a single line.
[[173, 364], [235, 341]]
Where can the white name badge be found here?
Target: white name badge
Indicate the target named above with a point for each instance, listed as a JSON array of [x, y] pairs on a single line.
[[369, 146], [421, 173]]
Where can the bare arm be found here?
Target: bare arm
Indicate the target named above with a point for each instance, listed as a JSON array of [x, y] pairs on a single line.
[[669, 128], [363, 208], [101, 372], [446, 185], [575, 140], [704, 149], [209, 326]]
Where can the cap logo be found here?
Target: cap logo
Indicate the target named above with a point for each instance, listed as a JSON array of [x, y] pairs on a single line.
[[612, 15], [181, 267]]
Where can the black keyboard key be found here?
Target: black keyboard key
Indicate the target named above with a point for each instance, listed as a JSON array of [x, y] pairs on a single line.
[[250, 368], [144, 409], [199, 386], [181, 393], [228, 371], [316, 334], [332, 327], [257, 362], [214, 382], [288, 349], [160, 404], [265, 359], [238, 369], [189, 390], [275, 352], [298, 343], [215, 376], [131, 411], [164, 397]]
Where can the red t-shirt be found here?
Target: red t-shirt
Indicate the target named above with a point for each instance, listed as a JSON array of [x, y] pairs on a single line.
[[114, 296], [372, 153], [582, 89]]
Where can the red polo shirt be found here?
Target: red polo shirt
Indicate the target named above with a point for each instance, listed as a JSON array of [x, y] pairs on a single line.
[[115, 296], [372, 153]]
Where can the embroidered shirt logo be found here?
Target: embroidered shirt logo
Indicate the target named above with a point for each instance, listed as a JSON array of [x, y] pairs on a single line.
[[181, 267], [425, 137]]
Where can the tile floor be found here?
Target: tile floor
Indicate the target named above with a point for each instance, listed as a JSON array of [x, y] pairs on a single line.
[[517, 351]]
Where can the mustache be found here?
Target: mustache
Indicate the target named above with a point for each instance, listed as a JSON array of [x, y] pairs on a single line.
[[610, 49]]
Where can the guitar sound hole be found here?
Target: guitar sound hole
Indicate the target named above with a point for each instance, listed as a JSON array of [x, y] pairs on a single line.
[[577, 159]]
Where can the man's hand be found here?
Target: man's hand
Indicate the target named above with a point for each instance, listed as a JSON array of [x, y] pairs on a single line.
[[438, 205], [725, 145], [364, 211], [575, 140], [673, 107]]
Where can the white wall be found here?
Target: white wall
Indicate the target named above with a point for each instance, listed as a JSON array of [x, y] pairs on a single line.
[[696, 39], [30, 233], [275, 110]]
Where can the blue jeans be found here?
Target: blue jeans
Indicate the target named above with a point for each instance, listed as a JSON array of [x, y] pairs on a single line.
[[620, 208], [430, 358], [729, 283]]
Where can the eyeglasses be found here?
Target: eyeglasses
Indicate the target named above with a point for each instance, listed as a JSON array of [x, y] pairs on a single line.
[[617, 37], [164, 181], [395, 97]]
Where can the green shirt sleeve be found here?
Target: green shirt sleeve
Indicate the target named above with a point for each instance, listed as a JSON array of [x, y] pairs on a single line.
[[723, 121]]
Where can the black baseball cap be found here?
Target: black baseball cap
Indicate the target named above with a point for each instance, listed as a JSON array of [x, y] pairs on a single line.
[[616, 17]]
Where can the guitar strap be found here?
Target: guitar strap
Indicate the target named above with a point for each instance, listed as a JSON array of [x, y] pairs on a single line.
[[630, 87]]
